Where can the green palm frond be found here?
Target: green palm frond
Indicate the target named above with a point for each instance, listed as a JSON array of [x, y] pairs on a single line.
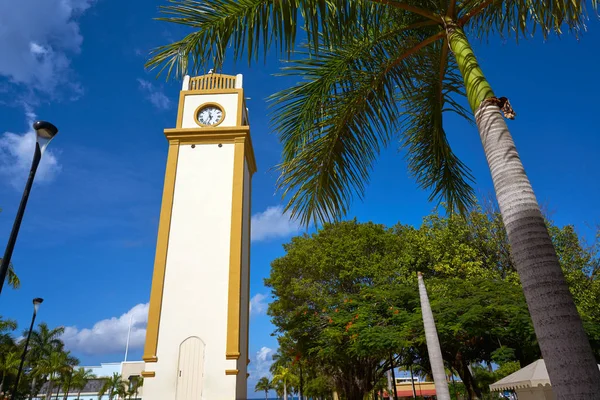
[[12, 278], [434, 91], [252, 27], [334, 123], [524, 17]]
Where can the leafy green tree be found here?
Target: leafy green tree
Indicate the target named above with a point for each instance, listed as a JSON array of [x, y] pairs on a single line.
[[376, 67], [263, 384], [113, 386], [340, 300]]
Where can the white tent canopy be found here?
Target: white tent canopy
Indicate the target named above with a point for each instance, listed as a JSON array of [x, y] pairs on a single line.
[[533, 375]]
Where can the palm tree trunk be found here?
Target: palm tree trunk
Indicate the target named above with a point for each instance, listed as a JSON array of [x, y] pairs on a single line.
[[2, 382], [32, 388], [558, 327], [433, 345], [284, 390], [78, 394], [412, 382]]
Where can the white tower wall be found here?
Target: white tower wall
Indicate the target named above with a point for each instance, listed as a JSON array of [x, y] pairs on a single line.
[[197, 337]]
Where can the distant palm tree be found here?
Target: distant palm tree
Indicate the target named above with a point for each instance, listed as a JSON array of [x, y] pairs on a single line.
[[55, 367], [80, 379], [7, 326], [263, 384], [137, 384], [113, 386], [9, 364], [283, 375]]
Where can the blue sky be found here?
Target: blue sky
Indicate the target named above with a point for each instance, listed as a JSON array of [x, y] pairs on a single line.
[[87, 242]]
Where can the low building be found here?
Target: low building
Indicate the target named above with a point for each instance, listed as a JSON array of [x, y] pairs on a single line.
[[129, 371]]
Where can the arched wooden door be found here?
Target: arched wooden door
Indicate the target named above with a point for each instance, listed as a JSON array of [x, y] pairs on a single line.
[[191, 369]]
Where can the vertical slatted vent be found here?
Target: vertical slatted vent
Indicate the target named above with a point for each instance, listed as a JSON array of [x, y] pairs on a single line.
[[212, 81]]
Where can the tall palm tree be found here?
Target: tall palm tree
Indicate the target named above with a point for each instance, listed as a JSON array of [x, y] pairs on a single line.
[[376, 67], [80, 378], [113, 386], [433, 345], [9, 364], [263, 384]]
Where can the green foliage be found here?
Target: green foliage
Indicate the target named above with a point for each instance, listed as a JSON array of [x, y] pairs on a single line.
[[11, 277], [263, 385], [372, 71], [346, 297], [338, 300], [46, 360], [113, 387], [80, 378]]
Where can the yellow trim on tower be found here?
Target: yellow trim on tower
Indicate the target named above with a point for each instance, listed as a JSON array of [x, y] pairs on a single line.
[[231, 372], [160, 261], [215, 136], [148, 374], [235, 252]]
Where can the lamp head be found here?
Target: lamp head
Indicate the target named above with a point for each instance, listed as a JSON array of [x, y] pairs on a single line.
[[36, 303], [45, 130]]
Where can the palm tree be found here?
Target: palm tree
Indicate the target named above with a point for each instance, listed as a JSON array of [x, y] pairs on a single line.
[[9, 364], [7, 326], [12, 278], [112, 386], [80, 379], [45, 341], [56, 367], [433, 345], [376, 67], [283, 375], [137, 384], [263, 384]]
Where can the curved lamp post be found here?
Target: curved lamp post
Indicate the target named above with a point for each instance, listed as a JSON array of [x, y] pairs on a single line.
[[36, 304], [45, 132]]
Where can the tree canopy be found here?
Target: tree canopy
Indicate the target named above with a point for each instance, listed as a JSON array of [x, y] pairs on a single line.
[[345, 298]]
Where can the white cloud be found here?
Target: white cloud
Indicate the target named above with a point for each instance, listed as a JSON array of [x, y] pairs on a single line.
[[109, 335], [273, 223], [37, 39], [258, 304], [260, 364], [16, 154], [155, 95]]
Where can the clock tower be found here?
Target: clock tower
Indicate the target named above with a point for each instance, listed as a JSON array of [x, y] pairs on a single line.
[[197, 335]]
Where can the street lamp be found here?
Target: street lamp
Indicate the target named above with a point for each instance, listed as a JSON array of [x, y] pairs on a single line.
[[45, 132], [36, 305]]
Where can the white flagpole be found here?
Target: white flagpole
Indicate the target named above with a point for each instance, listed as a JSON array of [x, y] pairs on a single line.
[[128, 336]]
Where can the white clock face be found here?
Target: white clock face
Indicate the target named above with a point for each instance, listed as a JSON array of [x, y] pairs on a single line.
[[210, 115]]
